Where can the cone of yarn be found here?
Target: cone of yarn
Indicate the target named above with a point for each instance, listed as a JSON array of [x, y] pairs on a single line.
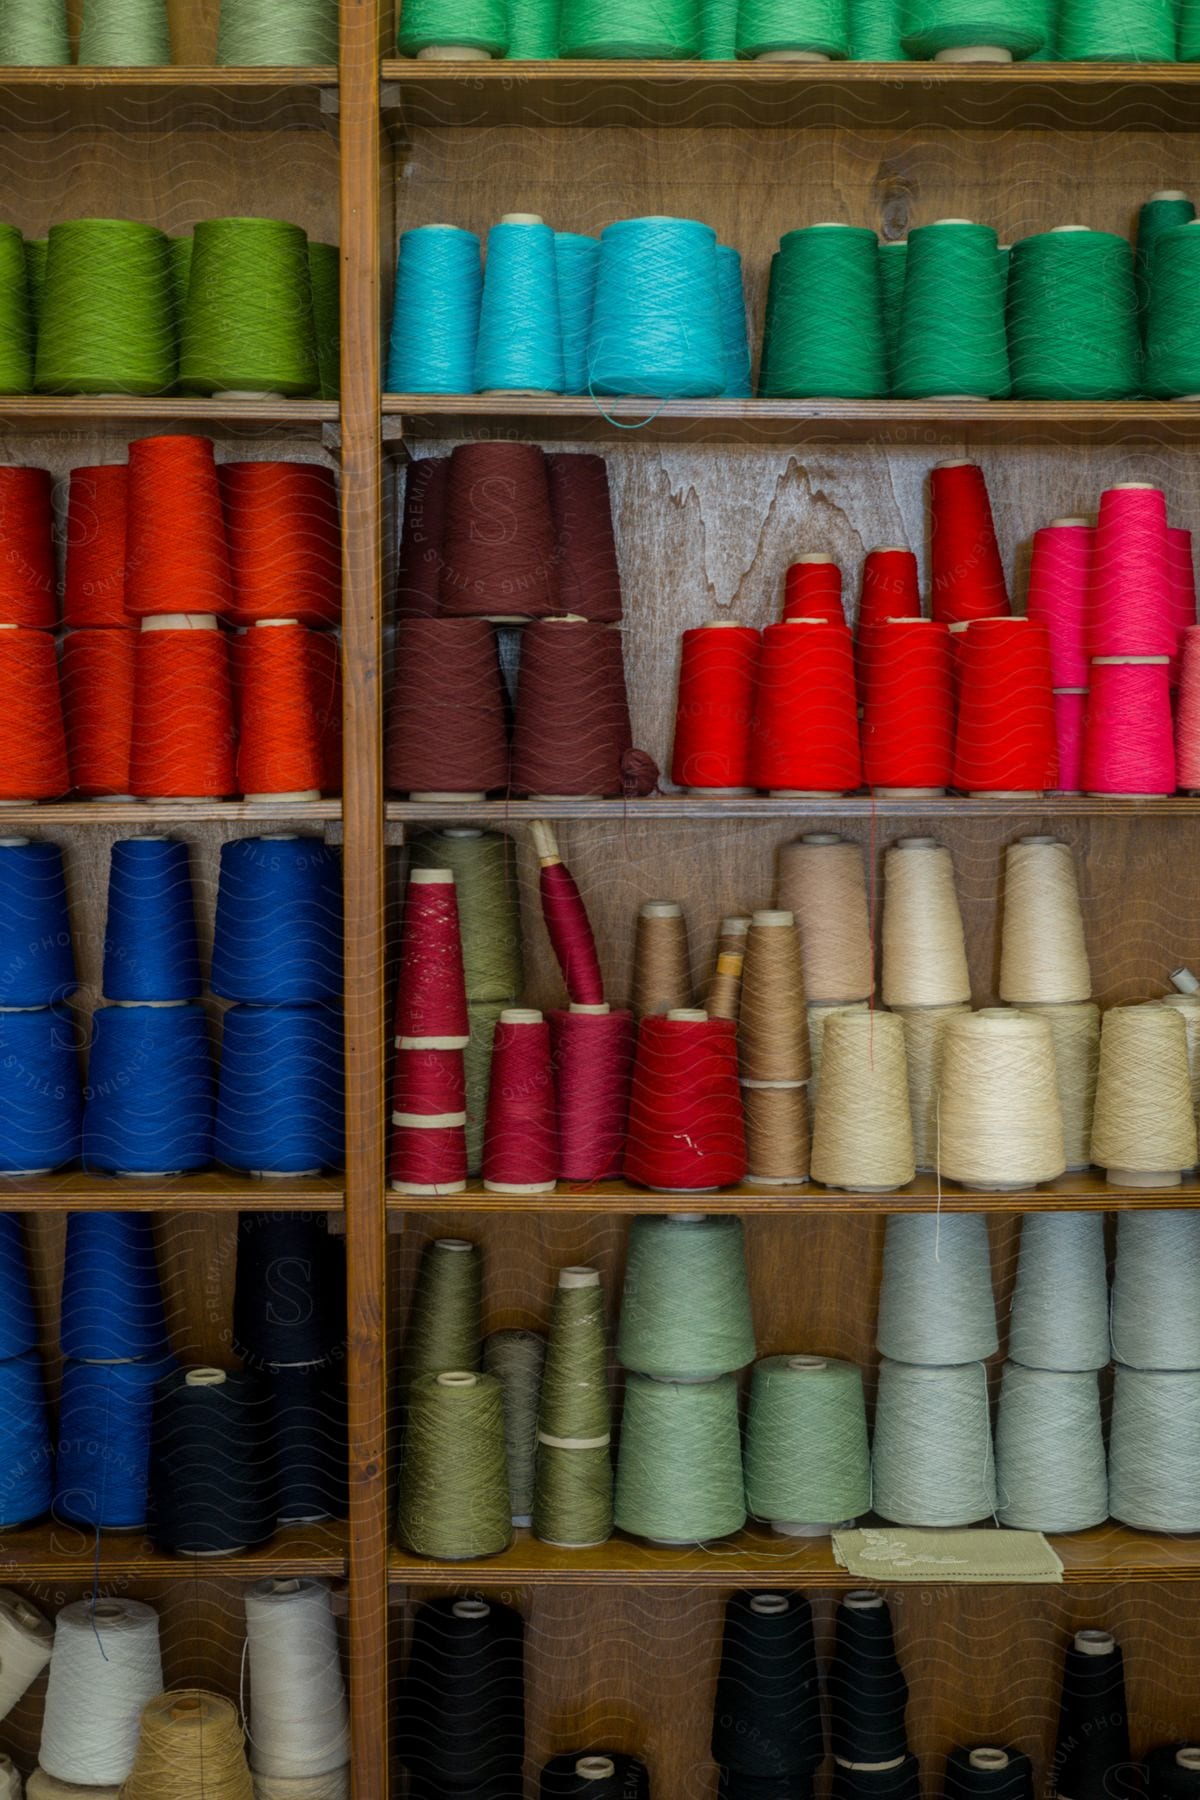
[[446, 725], [717, 667], [1059, 1314], [1051, 1473], [107, 1650], [814, 32], [1000, 1124], [824, 334], [1189, 1006], [967, 573], [935, 1301], [1072, 316], [773, 1028], [1153, 1449], [1092, 1749], [35, 763], [462, 1701], [26, 1638], [94, 591], [1129, 606], [285, 553], [429, 1116], [520, 1141], [656, 321], [575, 258], [862, 1128], [1183, 592], [807, 1462], [453, 1500], [573, 1481], [818, 1017], [1129, 745], [662, 976], [1171, 366], [279, 746], [516, 1359], [258, 32], [686, 1130], [431, 1001], [589, 578], [125, 34], [804, 735], [931, 28], [248, 324], [812, 589], [1144, 1125], [1075, 1030], [189, 1739], [1070, 714], [567, 924], [767, 1712], [679, 1462], [1156, 1290], [723, 999], [777, 1133], [592, 1057], [924, 1027], [519, 345], [97, 703], [865, 1683], [572, 724], [172, 488], [106, 321], [483, 864], [821, 879], [499, 551], [27, 569], [685, 1306], [931, 1456], [418, 571], [35, 36], [890, 588], [1004, 740], [1058, 597], [1043, 955], [907, 724], [444, 1330], [183, 733], [435, 316], [960, 351], [924, 952]]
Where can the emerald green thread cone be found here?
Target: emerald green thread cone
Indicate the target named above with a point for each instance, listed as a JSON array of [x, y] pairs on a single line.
[[1072, 317], [484, 864], [931, 26], [453, 1500], [1159, 214], [1189, 30], [685, 1309], [532, 30], [893, 260], [770, 313], [16, 314], [767, 26], [718, 30], [515, 1358], [1048, 24], [875, 31], [464, 24], [621, 29], [279, 32], [827, 316], [1173, 315], [573, 1485], [128, 34], [807, 1460], [325, 271], [1116, 31], [107, 316], [952, 341], [444, 1329], [248, 327], [33, 34], [679, 1465]]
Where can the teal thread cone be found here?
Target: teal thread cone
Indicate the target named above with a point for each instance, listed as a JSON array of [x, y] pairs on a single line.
[[952, 340], [125, 34], [827, 330], [573, 1484], [325, 272], [931, 26], [1172, 348], [435, 319], [520, 332], [718, 30], [1072, 317], [656, 323], [280, 32], [532, 30], [770, 312], [622, 29], [248, 327], [685, 1308], [807, 1460], [733, 325], [893, 261], [33, 34], [16, 314], [107, 322], [465, 24], [768, 26], [1116, 31], [1155, 216], [875, 31], [575, 259], [679, 1464]]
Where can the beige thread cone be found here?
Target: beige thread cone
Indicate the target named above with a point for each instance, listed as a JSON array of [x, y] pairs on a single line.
[[662, 976], [1075, 1030], [777, 1145], [822, 881], [773, 1024], [725, 988], [999, 1119], [924, 953], [924, 1027], [1043, 955], [1144, 1126], [862, 1131]]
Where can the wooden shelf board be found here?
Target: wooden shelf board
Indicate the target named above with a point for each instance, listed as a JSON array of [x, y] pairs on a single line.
[[162, 812], [1107, 1553], [139, 100], [1084, 1192], [73, 1191], [42, 412], [855, 806], [68, 1552], [897, 422], [861, 96]]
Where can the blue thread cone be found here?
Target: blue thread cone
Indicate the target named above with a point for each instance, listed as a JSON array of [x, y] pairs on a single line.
[[278, 938], [26, 1444], [104, 1441], [280, 1102], [18, 1324], [734, 339], [575, 258], [112, 1304], [520, 330], [150, 1091], [37, 958], [41, 1103], [150, 948], [435, 317]]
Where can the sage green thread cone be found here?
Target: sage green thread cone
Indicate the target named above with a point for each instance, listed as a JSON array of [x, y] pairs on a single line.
[[468, 24], [827, 324], [453, 1499], [807, 1460], [893, 260], [248, 327], [325, 271], [36, 252], [281, 32], [622, 29], [444, 1329], [107, 322], [766, 26], [532, 30], [1072, 317], [483, 1018], [485, 876], [718, 30], [875, 31], [931, 26], [1116, 31], [515, 1358], [679, 1463], [117, 34], [1060, 1302], [1154, 1450], [16, 315], [179, 257], [952, 339], [33, 34], [931, 1458], [573, 1489], [1155, 217], [1051, 1473], [685, 1309], [1172, 365]]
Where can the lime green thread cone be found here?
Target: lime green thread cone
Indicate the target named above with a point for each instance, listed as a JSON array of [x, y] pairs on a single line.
[[249, 327], [453, 1498], [33, 34], [679, 1464], [465, 24], [952, 339], [573, 1484], [766, 26], [107, 317], [280, 32], [127, 34], [16, 315], [179, 257], [1072, 317], [1173, 316], [36, 252], [325, 270], [807, 1460], [827, 325]]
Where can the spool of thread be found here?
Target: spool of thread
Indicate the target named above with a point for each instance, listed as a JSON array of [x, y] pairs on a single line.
[[112, 1304], [431, 1002], [656, 320], [213, 1475], [1189, 1006], [278, 933], [418, 571], [1004, 741], [821, 880], [1156, 216], [662, 978], [866, 1686], [27, 567], [1144, 1126], [961, 351], [1170, 1771], [1070, 710], [309, 1428], [777, 1133], [712, 746], [172, 483], [1072, 315], [295, 1254], [723, 999], [1092, 1747], [575, 258], [280, 755], [566, 920], [103, 1447], [519, 346], [807, 1460], [812, 589], [1155, 1286], [20, 307], [817, 32], [862, 1129], [429, 1116], [117, 35], [507, 569], [767, 1709], [256, 32], [446, 727], [462, 1700], [453, 1501], [516, 1359], [890, 587], [477, 1059], [37, 956], [824, 332], [679, 1462], [967, 573], [1060, 1303], [591, 1055], [1058, 598], [149, 1099], [1183, 592], [1000, 1124], [35, 762], [875, 31], [959, 31], [570, 671], [183, 731], [1123, 33], [483, 864], [106, 321], [907, 729], [26, 1638], [988, 1772], [935, 1302], [435, 316], [26, 1442], [804, 735], [298, 1718], [248, 325], [280, 1100], [589, 578], [35, 36], [924, 1027], [281, 520], [573, 1485], [594, 1775], [924, 953], [734, 332], [1043, 952], [520, 1146], [444, 1324], [105, 1667], [1128, 745], [686, 1131], [773, 1028], [1075, 1031], [1051, 1474], [1129, 604], [685, 1307], [931, 1457], [193, 1739], [41, 1106], [150, 946]]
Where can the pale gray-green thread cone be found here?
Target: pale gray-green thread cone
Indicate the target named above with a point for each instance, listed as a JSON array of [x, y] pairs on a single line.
[[679, 1462], [807, 1457], [685, 1309], [1051, 1473]]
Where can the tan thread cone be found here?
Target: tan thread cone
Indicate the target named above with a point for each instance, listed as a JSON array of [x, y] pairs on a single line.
[[862, 1132], [923, 1030], [924, 956], [1043, 953], [777, 1147], [333, 1786], [191, 1743], [1189, 1006], [822, 881], [818, 1017], [1075, 1030], [1144, 1122], [1000, 1125], [773, 1023], [725, 988], [662, 976]]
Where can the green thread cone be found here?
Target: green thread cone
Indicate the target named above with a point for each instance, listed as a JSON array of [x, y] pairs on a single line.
[[952, 341], [893, 260], [453, 1499], [532, 30], [179, 256], [718, 30], [770, 313], [125, 34], [248, 327], [515, 1358], [16, 315], [280, 32], [621, 29], [931, 26], [484, 864], [1157, 215], [1072, 317], [827, 326], [1048, 20], [444, 1329], [685, 1308], [1116, 31], [807, 1459], [1173, 316], [325, 270], [36, 252], [1189, 31], [679, 1465], [33, 34], [767, 26], [107, 316], [484, 1016], [875, 31], [573, 1485], [469, 24]]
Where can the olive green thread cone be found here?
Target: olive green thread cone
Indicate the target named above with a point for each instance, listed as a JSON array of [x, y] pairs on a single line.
[[444, 1329], [453, 1498], [249, 326], [572, 1500], [107, 312]]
